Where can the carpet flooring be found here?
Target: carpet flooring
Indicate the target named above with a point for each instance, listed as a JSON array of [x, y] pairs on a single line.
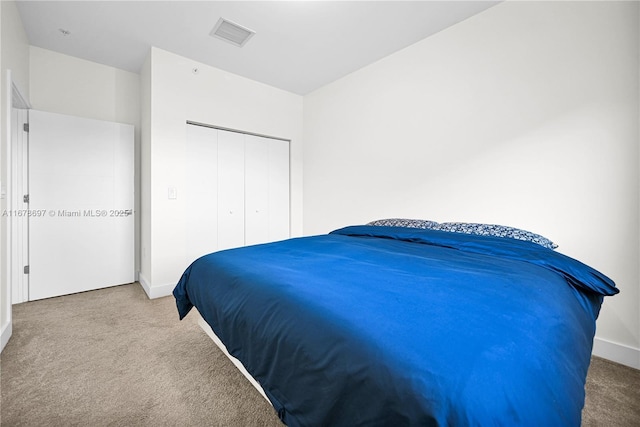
[[112, 357]]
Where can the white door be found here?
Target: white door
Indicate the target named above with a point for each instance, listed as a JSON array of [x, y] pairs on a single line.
[[230, 190], [278, 190], [81, 228], [237, 190], [266, 189], [201, 194], [256, 187]]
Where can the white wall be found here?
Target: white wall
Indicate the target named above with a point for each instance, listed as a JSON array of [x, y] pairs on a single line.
[[14, 56], [68, 85], [173, 94], [524, 115], [77, 87]]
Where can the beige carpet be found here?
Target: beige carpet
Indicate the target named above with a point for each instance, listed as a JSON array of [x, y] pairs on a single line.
[[113, 357]]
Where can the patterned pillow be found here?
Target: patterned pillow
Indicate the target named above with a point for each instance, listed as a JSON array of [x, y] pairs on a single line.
[[403, 222], [498, 231]]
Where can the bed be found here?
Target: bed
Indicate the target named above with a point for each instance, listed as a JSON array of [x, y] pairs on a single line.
[[396, 325]]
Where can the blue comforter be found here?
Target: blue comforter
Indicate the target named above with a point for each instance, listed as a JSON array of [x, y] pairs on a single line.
[[391, 326]]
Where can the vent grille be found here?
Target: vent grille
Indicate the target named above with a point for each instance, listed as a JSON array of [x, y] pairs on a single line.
[[231, 32]]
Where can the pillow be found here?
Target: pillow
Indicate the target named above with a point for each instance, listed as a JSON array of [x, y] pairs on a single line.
[[497, 231], [403, 222]]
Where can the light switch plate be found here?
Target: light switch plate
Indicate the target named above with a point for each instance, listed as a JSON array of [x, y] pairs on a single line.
[[173, 193]]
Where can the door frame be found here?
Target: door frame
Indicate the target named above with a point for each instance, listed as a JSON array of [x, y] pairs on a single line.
[[17, 183], [19, 187], [14, 100]]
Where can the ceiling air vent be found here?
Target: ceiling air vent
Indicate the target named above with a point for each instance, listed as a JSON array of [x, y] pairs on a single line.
[[231, 32]]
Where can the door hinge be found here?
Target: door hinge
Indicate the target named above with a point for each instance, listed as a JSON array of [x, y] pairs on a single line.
[[25, 127], [25, 198], [26, 269]]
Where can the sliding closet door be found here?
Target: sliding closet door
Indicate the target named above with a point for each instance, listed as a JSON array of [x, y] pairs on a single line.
[[201, 196], [256, 187], [230, 189], [236, 192], [266, 190], [278, 190]]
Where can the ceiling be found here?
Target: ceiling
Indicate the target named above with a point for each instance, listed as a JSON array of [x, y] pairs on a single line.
[[299, 46]]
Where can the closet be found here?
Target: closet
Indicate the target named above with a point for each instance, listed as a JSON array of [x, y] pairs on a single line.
[[237, 189]]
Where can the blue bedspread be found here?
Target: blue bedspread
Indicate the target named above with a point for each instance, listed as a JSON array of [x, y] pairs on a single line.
[[392, 326]]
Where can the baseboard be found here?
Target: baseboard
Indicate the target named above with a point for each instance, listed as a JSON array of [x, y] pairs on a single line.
[[6, 334], [615, 352], [157, 291]]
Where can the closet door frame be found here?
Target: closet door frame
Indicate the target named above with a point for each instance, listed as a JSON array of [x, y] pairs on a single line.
[[278, 218], [243, 132]]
